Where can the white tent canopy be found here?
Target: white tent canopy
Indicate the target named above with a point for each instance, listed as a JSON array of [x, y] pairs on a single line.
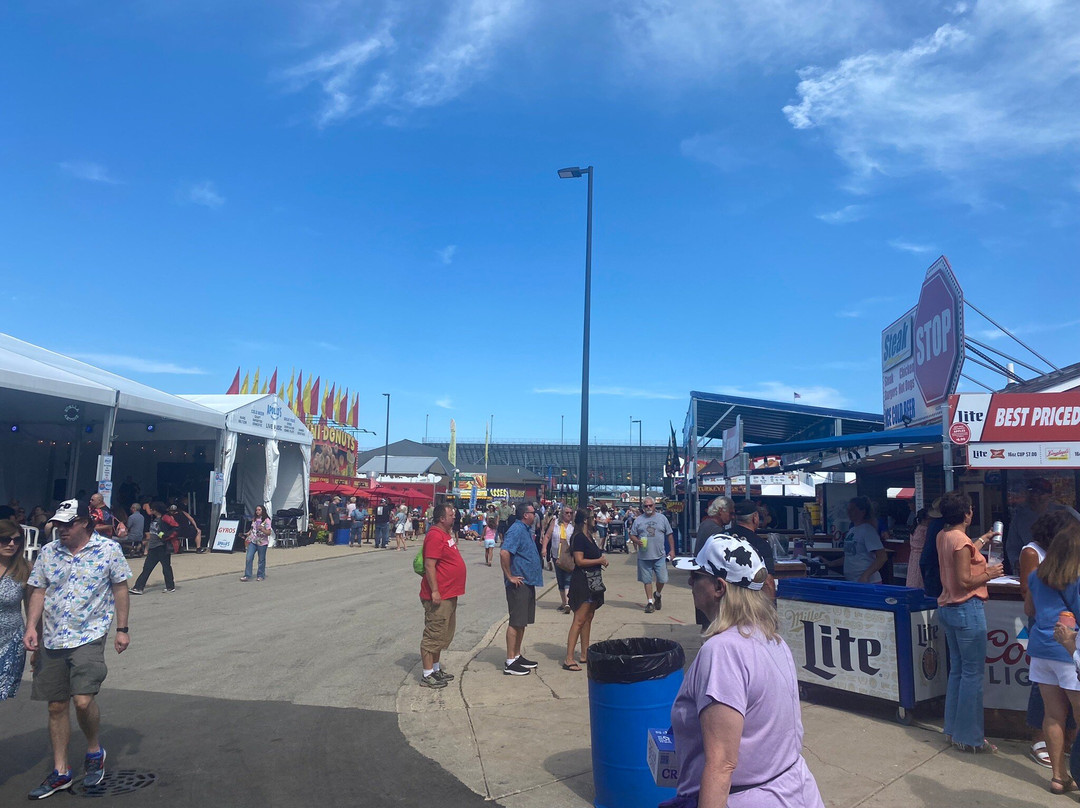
[[36, 370], [279, 476]]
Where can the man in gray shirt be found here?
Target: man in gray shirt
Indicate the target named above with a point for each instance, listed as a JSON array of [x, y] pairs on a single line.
[[655, 542], [136, 529]]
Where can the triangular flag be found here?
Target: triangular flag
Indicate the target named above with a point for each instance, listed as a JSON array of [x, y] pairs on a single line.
[[291, 391], [313, 398], [234, 388], [342, 408], [354, 416], [273, 383], [266, 388], [244, 386], [328, 404], [255, 382], [300, 409]]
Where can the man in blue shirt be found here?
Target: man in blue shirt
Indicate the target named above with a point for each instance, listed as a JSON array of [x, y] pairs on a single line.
[[523, 572]]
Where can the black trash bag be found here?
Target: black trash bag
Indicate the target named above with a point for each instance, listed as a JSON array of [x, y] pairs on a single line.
[[636, 659]]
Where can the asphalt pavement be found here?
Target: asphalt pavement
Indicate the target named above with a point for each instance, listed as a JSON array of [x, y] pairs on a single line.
[[280, 693]]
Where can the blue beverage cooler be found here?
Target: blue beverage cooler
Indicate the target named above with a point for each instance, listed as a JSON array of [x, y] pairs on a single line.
[[877, 640]]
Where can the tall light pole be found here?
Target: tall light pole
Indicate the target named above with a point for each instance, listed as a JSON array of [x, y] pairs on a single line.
[[630, 446], [426, 416], [562, 429], [641, 463], [583, 458], [386, 446]]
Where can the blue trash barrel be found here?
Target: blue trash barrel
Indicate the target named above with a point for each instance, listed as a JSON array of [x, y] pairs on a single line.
[[632, 685], [341, 535]]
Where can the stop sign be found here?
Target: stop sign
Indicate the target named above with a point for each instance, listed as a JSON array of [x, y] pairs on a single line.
[[939, 334]]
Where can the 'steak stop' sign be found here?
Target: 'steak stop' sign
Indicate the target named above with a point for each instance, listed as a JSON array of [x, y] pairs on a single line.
[[939, 334]]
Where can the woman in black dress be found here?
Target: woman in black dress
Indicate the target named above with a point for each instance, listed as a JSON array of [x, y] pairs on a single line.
[[586, 587]]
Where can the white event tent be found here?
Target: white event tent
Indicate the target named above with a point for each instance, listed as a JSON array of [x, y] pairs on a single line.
[[277, 474]]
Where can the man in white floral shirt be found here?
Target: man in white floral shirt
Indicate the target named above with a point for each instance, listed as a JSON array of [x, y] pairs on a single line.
[[75, 587]]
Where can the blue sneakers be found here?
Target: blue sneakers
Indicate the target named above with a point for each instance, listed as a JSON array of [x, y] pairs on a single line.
[[95, 769], [51, 784]]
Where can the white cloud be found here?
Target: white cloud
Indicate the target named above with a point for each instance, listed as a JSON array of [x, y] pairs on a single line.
[[445, 403], [446, 254], [816, 396], [91, 172], [202, 193], [137, 364], [625, 392], [1036, 328], [845, 215], [868, 305], [996, 84], [394, 62], [703, 39], [908, 246]]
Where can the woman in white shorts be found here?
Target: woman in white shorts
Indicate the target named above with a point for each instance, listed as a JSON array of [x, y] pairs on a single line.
[[490, 529], [1053, 589], [399, 527]]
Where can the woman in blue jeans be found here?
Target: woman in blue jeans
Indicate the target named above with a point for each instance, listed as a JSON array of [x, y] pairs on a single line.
[[964, 574], [257, 540]]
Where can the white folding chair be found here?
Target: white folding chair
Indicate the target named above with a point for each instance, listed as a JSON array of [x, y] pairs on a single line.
[[31, 543]]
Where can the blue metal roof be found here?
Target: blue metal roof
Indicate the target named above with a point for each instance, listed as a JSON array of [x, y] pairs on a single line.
[[774, 421], [911, 435]]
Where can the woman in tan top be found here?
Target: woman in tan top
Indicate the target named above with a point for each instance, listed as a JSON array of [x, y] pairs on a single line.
[[964, 574]]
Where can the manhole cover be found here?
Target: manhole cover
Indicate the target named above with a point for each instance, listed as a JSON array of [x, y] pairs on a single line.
[[117, 781]]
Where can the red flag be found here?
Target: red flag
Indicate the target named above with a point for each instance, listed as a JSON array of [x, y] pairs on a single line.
[[343, 416], [301, 405], [273, 383], [354, 416], [234, 388], [328, 404], [313, 402]]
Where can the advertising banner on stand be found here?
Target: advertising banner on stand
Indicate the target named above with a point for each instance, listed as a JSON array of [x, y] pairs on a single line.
[[333, 455], [923, 351], [1017, 430]]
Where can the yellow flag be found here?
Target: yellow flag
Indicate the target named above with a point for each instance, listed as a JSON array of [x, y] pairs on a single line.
[[452, 452], [291, 389], [244, 389], [266, 388], [255, 382]]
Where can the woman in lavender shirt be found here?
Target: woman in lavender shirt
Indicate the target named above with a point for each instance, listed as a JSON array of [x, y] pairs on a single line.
[[737, 722]]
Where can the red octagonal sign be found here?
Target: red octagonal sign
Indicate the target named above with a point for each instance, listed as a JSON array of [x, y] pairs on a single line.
[[939, 334]]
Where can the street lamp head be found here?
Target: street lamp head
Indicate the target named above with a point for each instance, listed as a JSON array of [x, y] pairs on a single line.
[[570, 173]]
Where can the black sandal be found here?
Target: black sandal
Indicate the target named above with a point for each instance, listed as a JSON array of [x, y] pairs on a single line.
[[572, 667]]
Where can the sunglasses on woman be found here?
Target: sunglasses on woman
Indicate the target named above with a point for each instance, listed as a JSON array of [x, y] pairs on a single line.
[[10, 539]]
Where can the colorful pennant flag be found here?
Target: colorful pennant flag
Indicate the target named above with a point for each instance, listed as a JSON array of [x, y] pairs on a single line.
[[313, 399], [255, 382], [273, 383], [291, 390], [301, 400], [342, 410], [354, 416], [234, 388], [244, 387]]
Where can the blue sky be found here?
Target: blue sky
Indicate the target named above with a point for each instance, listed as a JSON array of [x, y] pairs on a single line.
[[367, 191]]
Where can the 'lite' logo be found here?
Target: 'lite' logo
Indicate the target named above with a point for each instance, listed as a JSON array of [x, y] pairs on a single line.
[[819, 640]]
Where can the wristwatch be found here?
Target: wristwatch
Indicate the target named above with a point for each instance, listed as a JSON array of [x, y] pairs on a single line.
[[122, 630]]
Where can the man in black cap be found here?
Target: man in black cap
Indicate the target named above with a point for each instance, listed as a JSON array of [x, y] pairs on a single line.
[[747, 519], [1039, 502]]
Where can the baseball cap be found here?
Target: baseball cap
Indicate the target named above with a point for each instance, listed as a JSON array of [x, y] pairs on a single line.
[[729, 558], [71, 509], [1040, 485], [745, 507]]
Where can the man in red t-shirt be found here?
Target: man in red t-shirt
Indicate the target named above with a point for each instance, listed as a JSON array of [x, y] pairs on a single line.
[[443, 583]]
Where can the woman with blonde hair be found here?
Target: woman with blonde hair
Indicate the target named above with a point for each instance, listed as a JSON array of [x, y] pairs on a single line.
[[737, 721], [1052, 589], [13, 601]]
